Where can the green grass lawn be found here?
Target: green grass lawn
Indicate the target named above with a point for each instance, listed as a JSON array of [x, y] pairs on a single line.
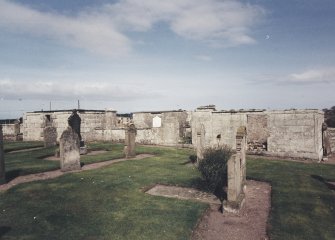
[[109, 203], [23, 163], [303, 206], [105, 203], [14, 146]]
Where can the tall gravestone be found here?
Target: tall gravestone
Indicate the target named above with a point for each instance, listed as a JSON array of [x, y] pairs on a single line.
[[129, 146], [200, 142], [236, 174], [2, 159], [50, 136], [325, 141], [69, 150]]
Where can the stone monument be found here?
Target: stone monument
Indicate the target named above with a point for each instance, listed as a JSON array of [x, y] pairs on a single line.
[[236, 174], [69, 150], [50, 136], [2, 159], [74, 122], [200, 142], [129, 145], [325, 141]]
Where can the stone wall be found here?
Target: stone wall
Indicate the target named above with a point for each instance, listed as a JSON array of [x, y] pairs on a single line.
[[11, 131], [290, 133], [331, 134], [161, 128], [295, 133]]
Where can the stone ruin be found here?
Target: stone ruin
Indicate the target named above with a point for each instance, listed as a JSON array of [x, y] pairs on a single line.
[[129, 144], [236, 174], [200, 142], [2, 159], [69, 145]]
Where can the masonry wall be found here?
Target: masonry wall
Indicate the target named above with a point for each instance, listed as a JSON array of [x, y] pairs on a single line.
[[170, 132], [295, 133], [10, 131], [331, 134]]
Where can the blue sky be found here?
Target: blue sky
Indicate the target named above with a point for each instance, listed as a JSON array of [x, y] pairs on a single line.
[[135, 55]]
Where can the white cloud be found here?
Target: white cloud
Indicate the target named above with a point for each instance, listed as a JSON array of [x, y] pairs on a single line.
[[204, 58], [94, 33], [10, 89], [103, 29], [325, 75]]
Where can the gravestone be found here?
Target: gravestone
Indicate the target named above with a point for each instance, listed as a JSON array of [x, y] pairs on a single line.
[[325, 141], [74, 122], [50, 136], [236, 174], [129, 146], [200, 142], [2, 159], [69, 150]]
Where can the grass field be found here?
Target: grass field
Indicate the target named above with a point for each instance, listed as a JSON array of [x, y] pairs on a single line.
[[109, 203]]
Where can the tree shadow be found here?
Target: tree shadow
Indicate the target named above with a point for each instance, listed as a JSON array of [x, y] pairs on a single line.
[[202, 185], [324, 181], [4, 230]]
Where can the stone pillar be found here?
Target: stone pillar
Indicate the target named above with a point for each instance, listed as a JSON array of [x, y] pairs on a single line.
[[69, 150], [129, 145], [236, 174], [50, 136], [200, 142], [2, 159]]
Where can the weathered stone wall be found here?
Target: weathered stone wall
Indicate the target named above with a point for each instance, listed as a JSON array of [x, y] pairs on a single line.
[[295, 133], [11, 131], [291, 133], [331, 134], [33, 125], [160, 128]]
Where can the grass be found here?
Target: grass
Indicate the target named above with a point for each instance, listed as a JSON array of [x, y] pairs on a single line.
[[32, 161], [109, 203], [14, 146], [105, 203], [302, 204]]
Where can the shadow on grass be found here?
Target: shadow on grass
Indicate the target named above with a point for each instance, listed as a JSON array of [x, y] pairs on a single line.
[[10, 175], [202, 185], [4, 230], [324, 181]]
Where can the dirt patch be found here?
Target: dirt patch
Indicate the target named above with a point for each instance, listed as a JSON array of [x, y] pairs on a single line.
[[57, 173], [183, 193], [250, 223]]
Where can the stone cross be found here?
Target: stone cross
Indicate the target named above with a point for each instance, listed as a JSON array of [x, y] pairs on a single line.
[[129, 146], [2, 159], [69, 150], [236, 174], [50, 136]]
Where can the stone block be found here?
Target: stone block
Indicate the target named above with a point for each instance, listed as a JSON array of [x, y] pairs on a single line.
[[50, 136], [129, 148]]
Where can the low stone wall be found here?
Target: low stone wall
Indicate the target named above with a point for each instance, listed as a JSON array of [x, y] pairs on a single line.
[[331, 134], [11, 131]]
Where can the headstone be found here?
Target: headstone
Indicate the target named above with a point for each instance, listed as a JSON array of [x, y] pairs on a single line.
[[236, 174], [2, 159], [325, 141], [200, 142], [50, 136], [69, 150], [74, 122], [129, 148]]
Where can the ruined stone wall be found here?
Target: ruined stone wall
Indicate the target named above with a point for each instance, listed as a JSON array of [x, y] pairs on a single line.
[[160, 128], [33, 124], [295, 133], [331, 134], [11, 131]]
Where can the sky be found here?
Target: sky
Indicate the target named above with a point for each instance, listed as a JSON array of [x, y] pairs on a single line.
[[151, 55]]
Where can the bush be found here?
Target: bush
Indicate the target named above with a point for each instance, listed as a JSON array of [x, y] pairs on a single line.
[[193, 158], [213, 167]]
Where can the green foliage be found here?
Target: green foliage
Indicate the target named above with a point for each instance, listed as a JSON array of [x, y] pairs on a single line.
[[213, 167], [14, 146], [193, 158], [330, 117]]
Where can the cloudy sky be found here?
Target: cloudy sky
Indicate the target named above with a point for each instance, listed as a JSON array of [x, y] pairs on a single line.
[[135, 55]]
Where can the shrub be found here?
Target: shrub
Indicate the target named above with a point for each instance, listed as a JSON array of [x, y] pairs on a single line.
[[213, 167], [193, 158]]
